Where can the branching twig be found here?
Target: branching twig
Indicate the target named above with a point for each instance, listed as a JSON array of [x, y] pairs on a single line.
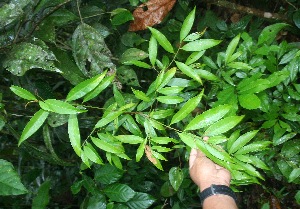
[[248, 10]]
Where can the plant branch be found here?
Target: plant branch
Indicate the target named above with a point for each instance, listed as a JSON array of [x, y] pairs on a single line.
[[248, 10]]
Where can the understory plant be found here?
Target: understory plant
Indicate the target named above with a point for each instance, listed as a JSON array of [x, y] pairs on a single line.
[[132, 139]]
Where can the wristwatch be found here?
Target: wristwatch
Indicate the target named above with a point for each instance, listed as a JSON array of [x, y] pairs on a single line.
[[216, 189]]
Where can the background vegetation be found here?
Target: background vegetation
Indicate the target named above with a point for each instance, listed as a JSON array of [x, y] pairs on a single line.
[[98, 110]]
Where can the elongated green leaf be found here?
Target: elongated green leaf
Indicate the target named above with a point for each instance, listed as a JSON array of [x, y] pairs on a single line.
[[159, 114], [187, 108], [190, 72], [170, 99], [41, 200], [140, 200], [10, 183], [241, 141], [188, 139], [194, 57], [74, 134], [163, 140], [239, 65], [218, 153], [280, 140], [106, 146], [175, 177], [152, 50], [162, 40], [252, 160], [118, 96], [199, 45], [92, 154], [294, 175], [249, 101], [133, 54], [269, 33], [208, 117], [223, 125], [231, 48], [103, 85], [108, 174], [33, 125], [166, 78], [60, 107], [138, 64], [141, 95], [23, 93], [130, 139], [253, 147], [140, 151], [85, 87], [119, 192], [187, 24], [206, 75], [173, 90], [108, 118]]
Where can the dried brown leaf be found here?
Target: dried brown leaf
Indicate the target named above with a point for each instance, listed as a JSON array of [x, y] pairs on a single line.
[[149, 155], [150, 13]]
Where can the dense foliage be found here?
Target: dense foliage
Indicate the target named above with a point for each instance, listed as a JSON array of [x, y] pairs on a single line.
[[95, 116]]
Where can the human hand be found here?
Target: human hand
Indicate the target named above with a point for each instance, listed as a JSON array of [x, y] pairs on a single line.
[[205, 172]]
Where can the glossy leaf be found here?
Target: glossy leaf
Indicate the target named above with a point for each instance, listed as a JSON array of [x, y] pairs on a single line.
[[118, 96], [108, 118], [103, 85], [140, 151], [241, 141], [108, 174], [74, 134], [85, 87], [163, 140], [223, 125], [92, 154], [269, 33], [10, 183], [190, 72], [283, 139], [253, 147], [33, 125], [249, 101], [106, 146], [159, 114], [187, 108], [199, 45], [41, 200], [152, 50], [194, 57], [162, 40], [170, 99], [166, 78], [188, 139], [176, 177], [130, 139], [138, 64], [187, 25], [294, 175], [208, 117], [207, 75], [141, 95], [119, 192], [23, 93], [141, 200], [231, 48], [173, 90], [60, 107]]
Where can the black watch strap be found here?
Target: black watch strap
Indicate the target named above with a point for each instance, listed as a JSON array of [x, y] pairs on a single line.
[[216, 189]]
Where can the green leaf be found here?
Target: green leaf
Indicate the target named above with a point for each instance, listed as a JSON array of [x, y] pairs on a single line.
[[88, 46], [140, 201], [152, 50], [170, 99], [118, 96], [133, 54], [296, 19], [119, 192], [159, 114], [132, 126], [283, 139], [223, 125], [108, 118], [173, 90], [166, 78], [23, 93], [194, 57], [33, 125], [10, 183], [121, 16], [187, 24], [207, 75], [249, 101], [231, 48], [85, 87], [140, 151], [239, 65], [25, 56], [175, 177], [103, 85], [253, 147], [60, 107], [268, 34], [188, 139], [92, 154], [141, 95], [74, 134], [200, 45], [162, 40], [241, 141], [106, 146], [163, 140], [9, 13], [41, 200], [108, 174], [208, 117], [130, 139], [187, 108], [138, 64], [190, 72]]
